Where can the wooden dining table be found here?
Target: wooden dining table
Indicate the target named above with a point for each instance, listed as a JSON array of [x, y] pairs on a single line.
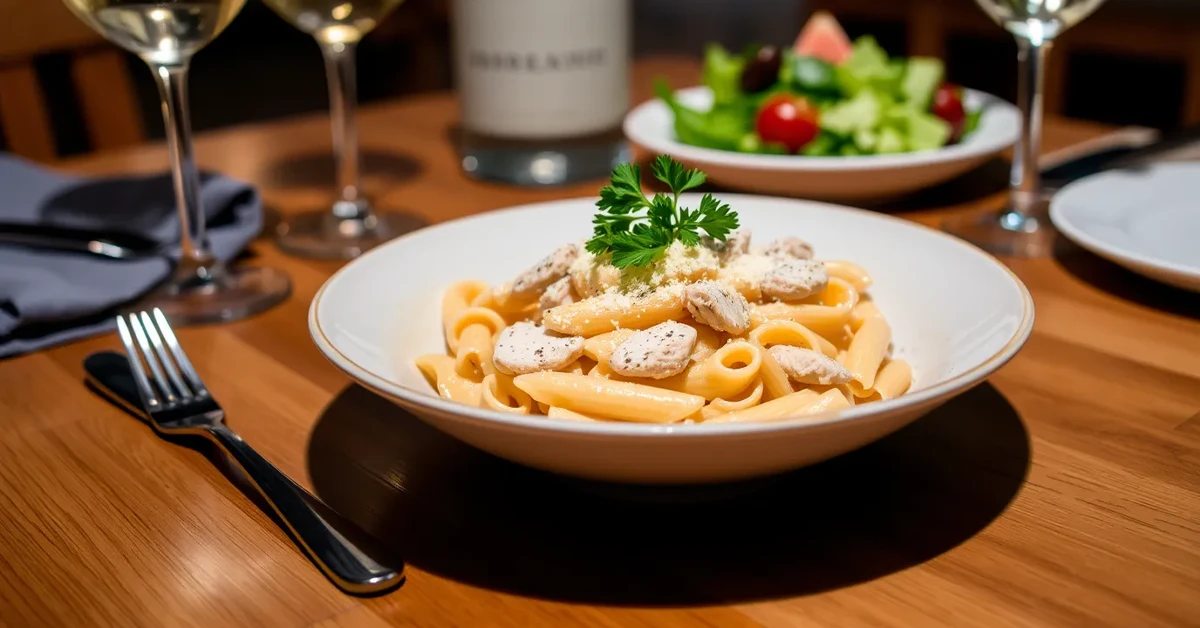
[[1064, 491]]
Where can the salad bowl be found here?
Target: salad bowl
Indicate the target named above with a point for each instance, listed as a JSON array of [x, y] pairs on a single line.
[[852, 178], [957, 315], [826, 118]]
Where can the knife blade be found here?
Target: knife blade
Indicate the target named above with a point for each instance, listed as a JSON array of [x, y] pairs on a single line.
[[109, 244], [1127, 148]]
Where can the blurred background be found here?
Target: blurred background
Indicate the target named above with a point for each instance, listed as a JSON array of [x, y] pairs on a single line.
[[1133, 62]]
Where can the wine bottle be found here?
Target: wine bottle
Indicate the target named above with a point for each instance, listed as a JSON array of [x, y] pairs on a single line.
[[543, 87]]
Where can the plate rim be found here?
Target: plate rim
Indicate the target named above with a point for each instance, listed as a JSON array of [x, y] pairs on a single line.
[[958, 383], [797, 163], [1061, 219]]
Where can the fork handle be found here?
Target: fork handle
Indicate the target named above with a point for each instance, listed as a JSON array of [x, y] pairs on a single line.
[[342, 562]]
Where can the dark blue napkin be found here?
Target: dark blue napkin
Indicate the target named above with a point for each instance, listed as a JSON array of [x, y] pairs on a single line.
[[50, 297]]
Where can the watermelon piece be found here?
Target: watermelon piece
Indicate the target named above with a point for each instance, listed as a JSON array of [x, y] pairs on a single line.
[[822, 37]]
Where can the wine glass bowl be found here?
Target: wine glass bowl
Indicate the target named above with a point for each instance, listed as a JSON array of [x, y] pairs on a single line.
[[1023, 228], [166, 34], [351, 225], [334, 20]]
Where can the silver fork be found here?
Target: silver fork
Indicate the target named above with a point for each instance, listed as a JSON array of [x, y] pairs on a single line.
[[178, 403]]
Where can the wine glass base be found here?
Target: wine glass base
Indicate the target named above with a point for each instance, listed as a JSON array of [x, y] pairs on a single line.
[[324, 235], [1006, 233], [232, 294]]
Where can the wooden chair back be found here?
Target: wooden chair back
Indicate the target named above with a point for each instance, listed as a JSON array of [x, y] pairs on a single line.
[[105, 93]]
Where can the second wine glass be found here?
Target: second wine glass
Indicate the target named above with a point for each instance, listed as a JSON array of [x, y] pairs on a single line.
[[351, 226], [1023, 228]]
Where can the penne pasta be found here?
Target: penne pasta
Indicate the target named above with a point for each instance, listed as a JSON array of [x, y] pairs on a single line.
[[892, 380], [786, 332], [826, 312], [786, 405], [600, 347], [607, 312], [849, 272], [750, 289], [797, 404], [439, 371], [622, 401], [726, 372], [555, 412], [748, 398], [498, 393], [866, 353], [860, 314], [458, 297], [582, 366], [473, 316], [474, 357], [637, 272], [776, 382], [708, 341]]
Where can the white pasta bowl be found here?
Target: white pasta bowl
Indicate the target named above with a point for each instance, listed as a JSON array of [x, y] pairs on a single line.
[[957, 315], [854, 178]]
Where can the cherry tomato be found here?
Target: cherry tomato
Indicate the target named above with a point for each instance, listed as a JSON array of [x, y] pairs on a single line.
[[788, 120], [948, 105]]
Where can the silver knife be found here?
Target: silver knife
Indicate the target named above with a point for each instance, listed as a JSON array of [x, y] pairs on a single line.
[[108, 244]]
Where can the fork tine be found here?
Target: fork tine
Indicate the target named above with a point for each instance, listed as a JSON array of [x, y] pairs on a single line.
[[167, 364], [135, 366], [151, 361], [185, 365]]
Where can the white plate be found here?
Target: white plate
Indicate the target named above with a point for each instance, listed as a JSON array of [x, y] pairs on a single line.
[[957, 315], [856, 178], [1147, 220]]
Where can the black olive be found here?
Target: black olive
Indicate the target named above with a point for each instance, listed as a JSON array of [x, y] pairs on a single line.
[[762, 71]]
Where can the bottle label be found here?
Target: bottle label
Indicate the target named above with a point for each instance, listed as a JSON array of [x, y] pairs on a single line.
[[531, 69]]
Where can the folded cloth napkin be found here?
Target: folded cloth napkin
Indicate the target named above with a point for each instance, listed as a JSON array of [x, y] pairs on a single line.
[[50, 297]]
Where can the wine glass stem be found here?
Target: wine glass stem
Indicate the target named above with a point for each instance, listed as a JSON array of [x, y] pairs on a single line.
[[343, 102], [196, 259], [1026, 177]]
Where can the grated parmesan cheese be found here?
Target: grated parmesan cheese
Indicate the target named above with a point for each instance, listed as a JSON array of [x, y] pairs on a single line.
[[749, 268]]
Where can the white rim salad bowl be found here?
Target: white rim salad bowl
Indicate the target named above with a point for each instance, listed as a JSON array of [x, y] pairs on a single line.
[[957, 315], [853, 178]]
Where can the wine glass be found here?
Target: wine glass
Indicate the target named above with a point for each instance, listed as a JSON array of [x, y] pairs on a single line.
[[165, 34], [351, 226], [1023, 228]]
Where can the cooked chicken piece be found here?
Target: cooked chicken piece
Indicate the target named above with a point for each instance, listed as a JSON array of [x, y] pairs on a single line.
[[809, 367], [735, 245], [527, 348], [718, 306], [549, 270], [795, 279], [658, 352], [788, 248], [559, 293]]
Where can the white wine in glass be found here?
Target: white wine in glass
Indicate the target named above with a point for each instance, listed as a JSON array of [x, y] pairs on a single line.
[[160, 32], [165, 34], [1023, 228], [334, 20], [1038, 18], [351, 226]]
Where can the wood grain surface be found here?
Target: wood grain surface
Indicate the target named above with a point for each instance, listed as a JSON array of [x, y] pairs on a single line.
[[1065, 491]]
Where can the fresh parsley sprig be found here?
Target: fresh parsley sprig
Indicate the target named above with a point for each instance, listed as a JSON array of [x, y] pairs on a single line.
[[637, 239]]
